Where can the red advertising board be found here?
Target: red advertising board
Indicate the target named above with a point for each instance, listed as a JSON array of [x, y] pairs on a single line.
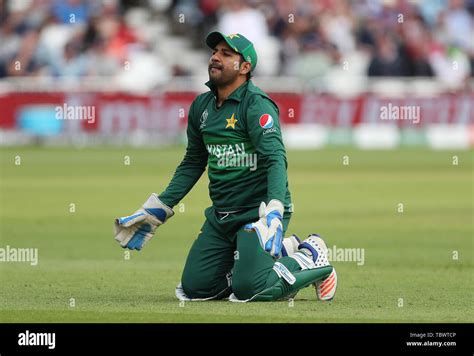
[[167, 112]]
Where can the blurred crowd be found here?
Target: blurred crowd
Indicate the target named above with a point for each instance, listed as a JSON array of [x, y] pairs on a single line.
[[130, 39]]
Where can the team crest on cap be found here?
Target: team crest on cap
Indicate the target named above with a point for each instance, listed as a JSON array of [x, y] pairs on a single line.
[[266, 121]]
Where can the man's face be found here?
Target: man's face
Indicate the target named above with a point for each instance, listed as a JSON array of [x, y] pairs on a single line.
[[224, 65]]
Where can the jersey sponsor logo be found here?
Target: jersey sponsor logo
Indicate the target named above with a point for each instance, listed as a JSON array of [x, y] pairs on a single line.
[[266, 121], [231, 122], [273, 129]]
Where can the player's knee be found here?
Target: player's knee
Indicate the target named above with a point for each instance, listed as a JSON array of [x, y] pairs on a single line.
[[195, 288], [190, 287], [243, 287], [192, 291]]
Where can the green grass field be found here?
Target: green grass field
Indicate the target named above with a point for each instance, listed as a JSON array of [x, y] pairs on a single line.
[[418, 263]]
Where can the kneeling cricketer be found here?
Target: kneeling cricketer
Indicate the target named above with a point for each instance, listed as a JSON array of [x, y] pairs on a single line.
[[240, 253]]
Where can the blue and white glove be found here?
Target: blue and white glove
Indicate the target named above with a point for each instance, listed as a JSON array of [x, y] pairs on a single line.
[[269, 227], [136, 230]]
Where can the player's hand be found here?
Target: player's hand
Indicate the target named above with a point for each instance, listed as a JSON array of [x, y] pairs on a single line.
[[136, 230], [269, 227]]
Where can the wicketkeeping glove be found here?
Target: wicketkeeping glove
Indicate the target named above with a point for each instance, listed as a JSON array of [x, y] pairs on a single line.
[[136, 230], [269, 227]]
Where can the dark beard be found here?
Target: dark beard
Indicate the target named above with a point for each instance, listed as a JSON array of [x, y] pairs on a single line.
[[224, 80]]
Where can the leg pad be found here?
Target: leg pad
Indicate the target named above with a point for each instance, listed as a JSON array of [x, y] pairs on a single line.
[[282, 289]]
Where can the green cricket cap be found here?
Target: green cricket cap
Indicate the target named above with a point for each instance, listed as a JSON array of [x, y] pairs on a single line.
[[238, 42]]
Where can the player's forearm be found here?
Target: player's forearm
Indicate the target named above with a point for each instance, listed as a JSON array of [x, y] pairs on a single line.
[[191, 167], [187, 174], [277, 177]]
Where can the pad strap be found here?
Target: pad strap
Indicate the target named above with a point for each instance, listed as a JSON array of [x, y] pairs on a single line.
[[283, 272], [304, 261]]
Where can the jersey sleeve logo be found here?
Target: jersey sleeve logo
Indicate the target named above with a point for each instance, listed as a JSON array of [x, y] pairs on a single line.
[[266, 121], [203, 119]]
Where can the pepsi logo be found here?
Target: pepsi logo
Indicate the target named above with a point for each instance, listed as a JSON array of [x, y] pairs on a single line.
[[266, 121]]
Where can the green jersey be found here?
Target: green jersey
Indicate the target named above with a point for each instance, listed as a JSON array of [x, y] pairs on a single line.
[[241, 144]]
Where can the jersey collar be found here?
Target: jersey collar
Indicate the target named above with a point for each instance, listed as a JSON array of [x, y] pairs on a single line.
[[236, 95]]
